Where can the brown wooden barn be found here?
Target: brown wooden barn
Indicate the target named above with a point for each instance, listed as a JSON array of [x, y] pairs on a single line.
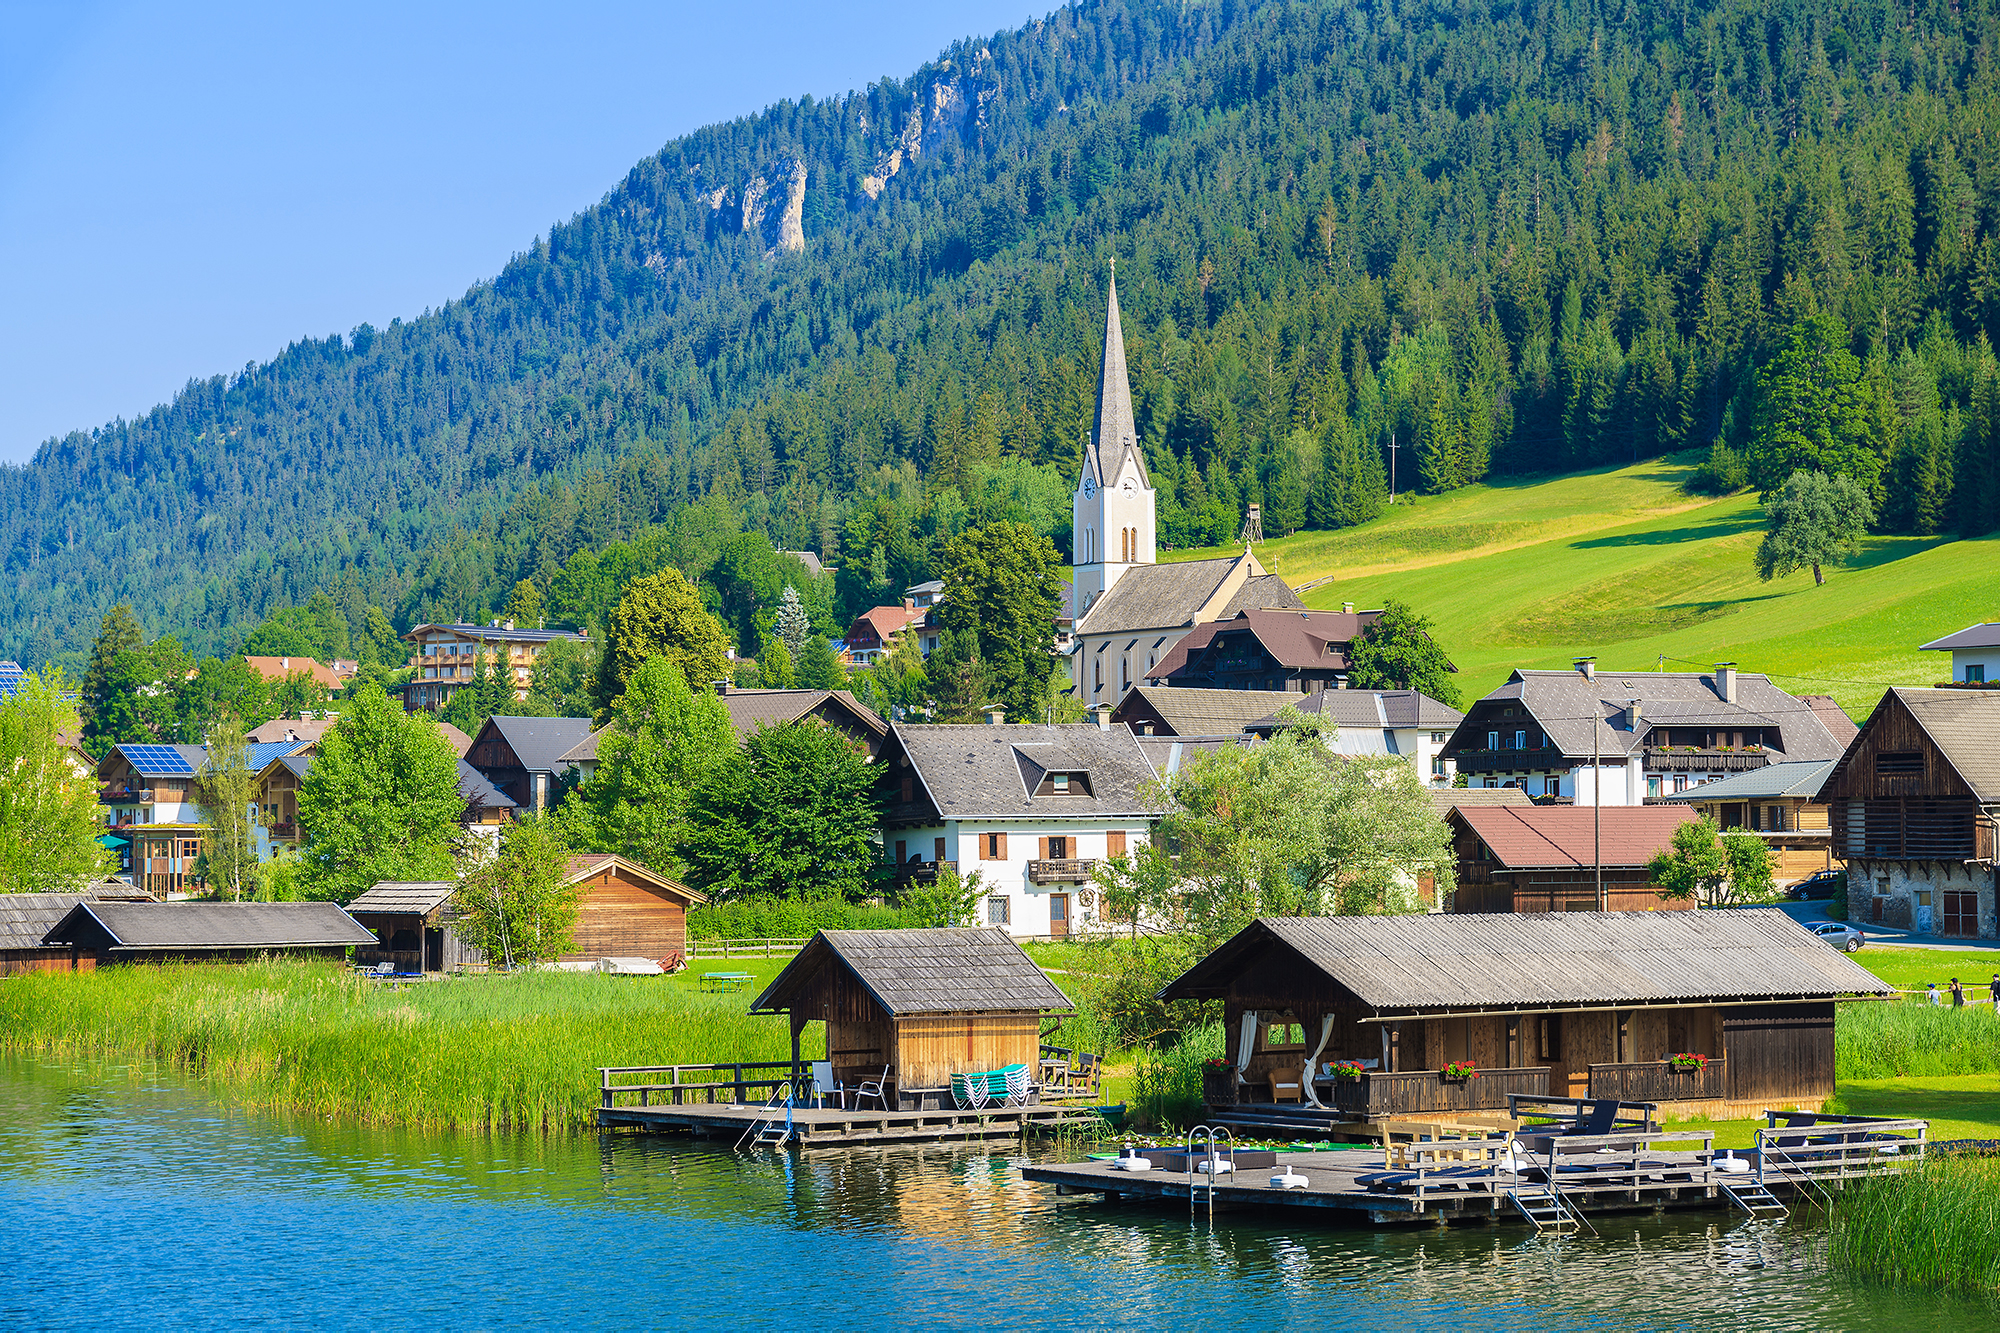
[[628, 911], [922, 1004], [414, 928], [97, 932], [1545, 858], [1576, 1004]]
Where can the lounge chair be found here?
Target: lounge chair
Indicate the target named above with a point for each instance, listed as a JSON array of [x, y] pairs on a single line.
[[1084, 1074], [992, 1087]]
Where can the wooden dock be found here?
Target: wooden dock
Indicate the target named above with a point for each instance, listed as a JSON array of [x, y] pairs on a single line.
[[832, 1127], [1552, 1185]]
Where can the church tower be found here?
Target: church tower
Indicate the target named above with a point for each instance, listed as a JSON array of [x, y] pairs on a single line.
[[1112, 524]]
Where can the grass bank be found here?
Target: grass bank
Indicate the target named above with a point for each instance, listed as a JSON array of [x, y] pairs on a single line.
[[470, 1053], [1911, 1039], [1936, 1226]]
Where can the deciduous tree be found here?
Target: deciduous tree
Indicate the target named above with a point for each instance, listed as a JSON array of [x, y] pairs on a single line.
[[1397, 652], [380, 801], [227, 789], [661, 615], [1814, 520], [665, 739], [520, 907], [49, 817], [792, 813]]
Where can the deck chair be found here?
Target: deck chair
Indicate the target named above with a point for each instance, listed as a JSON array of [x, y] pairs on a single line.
[[825, 1085], [1285, 1086], [1085, 1072], [1599, 1119], [874, 1087]]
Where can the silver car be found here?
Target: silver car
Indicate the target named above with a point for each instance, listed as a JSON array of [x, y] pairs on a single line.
[[1841, 936]]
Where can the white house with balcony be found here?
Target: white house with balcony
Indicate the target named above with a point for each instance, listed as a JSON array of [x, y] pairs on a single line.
[[1029, 808], [1620, 738]]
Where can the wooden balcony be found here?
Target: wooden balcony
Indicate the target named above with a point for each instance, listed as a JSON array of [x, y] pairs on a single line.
[[1681, 759], [1414, 1091], [920, 872], [1657, 1081], [1069, 870], [1544, 759], [286, 829]]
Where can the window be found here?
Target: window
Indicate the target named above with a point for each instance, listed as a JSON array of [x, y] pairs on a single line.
[[1548, 1038], [1060, 781], [1975, 673], [1058, 849], [996, 911], [1492, 782], [1437, 738], [1097, 673], [1281, 1036], [992, 846], [1653, 785], [1554, 787], [1899, 762], [1492, 740], [1680, 782], [1774, 818], [1437, 765], [1520, 740]]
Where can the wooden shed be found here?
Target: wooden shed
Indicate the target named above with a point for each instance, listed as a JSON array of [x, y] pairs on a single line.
[[414, 928], [1574, 1004], [922, 1004], [96, 932], [25, 918], [628, 911]]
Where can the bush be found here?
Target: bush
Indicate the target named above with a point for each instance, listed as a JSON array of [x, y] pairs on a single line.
[[1721, 473], [1914, 1040], [785, 918]]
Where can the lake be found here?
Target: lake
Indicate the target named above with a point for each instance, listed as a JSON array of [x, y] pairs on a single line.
[[127, 1196]]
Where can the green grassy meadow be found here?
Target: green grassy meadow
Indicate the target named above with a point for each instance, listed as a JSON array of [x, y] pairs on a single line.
[[1623, 565]]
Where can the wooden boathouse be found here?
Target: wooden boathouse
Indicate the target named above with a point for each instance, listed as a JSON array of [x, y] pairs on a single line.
[[1575, 1004], [915, 1007], [415, 928], [97, 933]]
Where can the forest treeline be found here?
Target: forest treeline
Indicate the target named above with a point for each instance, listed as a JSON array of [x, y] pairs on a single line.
[[1509, 237]]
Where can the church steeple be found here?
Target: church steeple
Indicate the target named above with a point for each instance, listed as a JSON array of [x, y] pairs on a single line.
[[1113, 428]]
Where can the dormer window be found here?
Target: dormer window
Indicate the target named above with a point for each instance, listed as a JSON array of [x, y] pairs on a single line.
[[1064, 784], [1060, 781]]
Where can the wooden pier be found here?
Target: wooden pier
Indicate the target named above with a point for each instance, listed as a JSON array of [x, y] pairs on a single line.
[[1552, 1184]]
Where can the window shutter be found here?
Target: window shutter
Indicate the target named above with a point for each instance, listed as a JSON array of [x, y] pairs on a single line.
[[1042, 849], [1114, 843], [1001, 854]]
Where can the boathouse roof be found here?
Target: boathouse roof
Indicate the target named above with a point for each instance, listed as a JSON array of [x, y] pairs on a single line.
[[1496, 962], [942, 971], [406, 897], [192, 926]]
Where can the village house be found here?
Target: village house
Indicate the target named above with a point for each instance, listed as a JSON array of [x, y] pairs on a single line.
[[1912, 807], [1404, 723], [1620, 738], [280, 669], [1780, 804], [1975, 654], [1547, 858], [442, 658], [1582, 1004], [750, 710], [909, 1009], [523, 756], [154, 812], [876, 632], [1031, 808], [1297, 652]]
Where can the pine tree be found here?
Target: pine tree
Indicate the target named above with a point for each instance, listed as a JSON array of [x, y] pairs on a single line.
[[793, 625]]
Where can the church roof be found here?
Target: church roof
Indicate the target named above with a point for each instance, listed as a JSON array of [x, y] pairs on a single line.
[[1113, 430], [1157, 596]]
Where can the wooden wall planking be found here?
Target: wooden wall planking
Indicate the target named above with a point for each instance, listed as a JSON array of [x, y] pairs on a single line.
[[622, 919], [933, 1047]]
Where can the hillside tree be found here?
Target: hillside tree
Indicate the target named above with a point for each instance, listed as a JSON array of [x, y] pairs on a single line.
[[1814, 520]]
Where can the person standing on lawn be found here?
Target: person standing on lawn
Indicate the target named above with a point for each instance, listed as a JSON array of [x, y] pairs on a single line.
[[1931, 993], [1957, 994], [1994, 991]]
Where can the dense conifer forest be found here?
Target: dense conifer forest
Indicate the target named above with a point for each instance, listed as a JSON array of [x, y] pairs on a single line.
[[1510, 238]]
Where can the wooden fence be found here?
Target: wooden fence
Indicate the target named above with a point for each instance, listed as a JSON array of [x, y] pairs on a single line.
[[774, 947], [679, 1090], [1657, 1081]]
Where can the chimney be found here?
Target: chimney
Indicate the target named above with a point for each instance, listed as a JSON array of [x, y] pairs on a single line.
[[284, 664], [1725, 681], [1588, 666], [721, 686], [995, 715], [508, 625], [1101, 715], [1347, 608], [1633, 710]]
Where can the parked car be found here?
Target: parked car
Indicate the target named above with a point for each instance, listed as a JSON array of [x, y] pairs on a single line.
[[1841, 936], [1819, 884]]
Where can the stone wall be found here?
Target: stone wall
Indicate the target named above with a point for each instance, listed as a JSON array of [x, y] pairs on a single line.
[[1900, 886]]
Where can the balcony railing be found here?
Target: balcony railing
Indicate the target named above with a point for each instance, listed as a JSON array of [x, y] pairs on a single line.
[[910, 872], [1657, 1081], [1414, 1091], [1067, 870], [286, 829], [1510, 761], [1680, 759]]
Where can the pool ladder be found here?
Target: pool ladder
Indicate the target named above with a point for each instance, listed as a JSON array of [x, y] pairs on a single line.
[[765, 1131], [1214, 1136]]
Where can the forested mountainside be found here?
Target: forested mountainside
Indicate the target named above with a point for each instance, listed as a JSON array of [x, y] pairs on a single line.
[[1513, 237]]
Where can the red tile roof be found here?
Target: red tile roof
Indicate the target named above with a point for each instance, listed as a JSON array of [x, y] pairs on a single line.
[[1297, 639], [282, 668], [886, 622], [1521, 837]]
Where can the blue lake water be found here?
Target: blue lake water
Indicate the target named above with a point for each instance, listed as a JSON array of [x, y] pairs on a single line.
[[128, 1197]]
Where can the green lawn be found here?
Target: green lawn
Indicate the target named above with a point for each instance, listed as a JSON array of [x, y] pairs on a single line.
[[1910, 969], [1623, 565]]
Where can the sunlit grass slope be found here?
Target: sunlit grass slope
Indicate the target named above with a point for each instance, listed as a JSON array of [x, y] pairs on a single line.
[[1623, 565]]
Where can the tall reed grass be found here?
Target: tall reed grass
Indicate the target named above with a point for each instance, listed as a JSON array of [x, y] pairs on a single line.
[[470, 1053], [1937, 1225], [1167, 1088], [1903, 1039]]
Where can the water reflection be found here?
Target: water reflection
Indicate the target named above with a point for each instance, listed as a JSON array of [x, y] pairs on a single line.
[[121, 1180]]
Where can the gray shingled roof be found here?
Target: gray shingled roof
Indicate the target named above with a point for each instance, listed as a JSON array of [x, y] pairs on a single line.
[[975, 772], [948, 971], [1402, 964], [472, 784], [1965, 724], [1446, 799], [1168, 753], [1801, 777], [1200, 712], [26, 917], [584, 751], [1564, 702], [1263, 592], [1986, 634], [213, 925], [1392, 709], [419, 897], [540, 742], [749, 709], [1157, 596]]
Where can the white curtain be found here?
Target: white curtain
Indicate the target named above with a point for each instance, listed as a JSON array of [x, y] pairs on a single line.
[[1312, 1061], [1247, 1042]]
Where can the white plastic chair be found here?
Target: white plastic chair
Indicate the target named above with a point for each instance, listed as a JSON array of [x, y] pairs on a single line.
[[874, 1087], [826, 1085]]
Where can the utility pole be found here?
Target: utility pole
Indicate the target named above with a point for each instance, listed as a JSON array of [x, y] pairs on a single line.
[[1392, 467], [1597, 801]]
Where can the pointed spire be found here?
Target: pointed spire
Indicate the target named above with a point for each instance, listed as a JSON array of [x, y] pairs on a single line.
[[1113, 427]]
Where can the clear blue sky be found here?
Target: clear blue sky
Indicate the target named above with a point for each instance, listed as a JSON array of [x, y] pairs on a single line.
[[186, 188]]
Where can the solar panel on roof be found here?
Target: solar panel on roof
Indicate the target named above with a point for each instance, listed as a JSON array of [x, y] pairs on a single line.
[[157, 760]]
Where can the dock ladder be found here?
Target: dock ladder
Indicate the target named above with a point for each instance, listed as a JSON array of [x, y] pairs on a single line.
[[1213, 1135], [1754, 1199], [765, 1131], [1546, 1210]]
